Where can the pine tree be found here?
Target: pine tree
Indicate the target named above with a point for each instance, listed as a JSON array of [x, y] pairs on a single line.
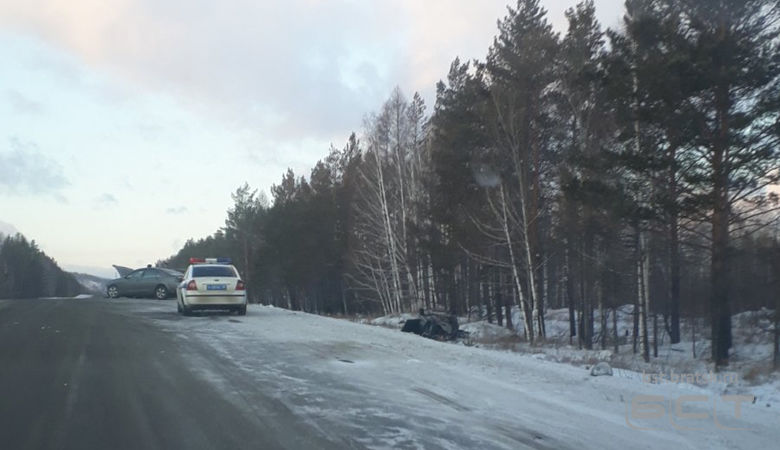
[[521, 71], [735, 54]]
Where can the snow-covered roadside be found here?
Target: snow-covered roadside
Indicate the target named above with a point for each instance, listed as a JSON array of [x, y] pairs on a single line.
[[749, 371], [77, 297], [382, 388]]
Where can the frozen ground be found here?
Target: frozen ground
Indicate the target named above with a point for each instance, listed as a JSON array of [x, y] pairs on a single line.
[[78, 297], [375, 387], [749, 371], [91, 283]]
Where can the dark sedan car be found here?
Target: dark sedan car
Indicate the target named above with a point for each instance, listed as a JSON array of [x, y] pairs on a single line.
[[151, 281]]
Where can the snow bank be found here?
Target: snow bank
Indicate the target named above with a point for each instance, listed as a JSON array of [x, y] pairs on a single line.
[[486, 332], [749, 363], [78, 297], [601, 369], [393, 321], [386, 389]]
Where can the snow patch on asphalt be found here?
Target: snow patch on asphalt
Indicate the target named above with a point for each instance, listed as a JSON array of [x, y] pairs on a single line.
[[404, 391], [77, 297]]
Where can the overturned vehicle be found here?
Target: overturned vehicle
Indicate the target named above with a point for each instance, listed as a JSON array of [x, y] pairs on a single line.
[[438, 326]]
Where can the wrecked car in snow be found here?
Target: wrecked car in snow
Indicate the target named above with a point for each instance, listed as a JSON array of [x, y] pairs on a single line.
[[438, 326]]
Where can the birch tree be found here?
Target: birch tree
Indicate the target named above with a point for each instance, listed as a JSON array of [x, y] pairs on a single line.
[[521, 71], [391, 194]]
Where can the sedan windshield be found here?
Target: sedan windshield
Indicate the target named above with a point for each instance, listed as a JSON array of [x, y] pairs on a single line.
[[213, 271]]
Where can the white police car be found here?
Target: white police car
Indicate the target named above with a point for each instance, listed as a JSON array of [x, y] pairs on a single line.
[[211, 283]]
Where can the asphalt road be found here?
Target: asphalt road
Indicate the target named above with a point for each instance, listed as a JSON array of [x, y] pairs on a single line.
[[133, 374], [84, 375]]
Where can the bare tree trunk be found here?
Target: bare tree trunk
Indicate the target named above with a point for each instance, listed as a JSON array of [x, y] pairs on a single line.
[[720, 309], [674, 254], [587, 293], [434, 289], [422, 283], [510, 300], [655, 335], [635, 336], [584, 338], [413, 292], [517, 141], [344, 298], [425, 273], [544, 298], [569, 290], [776, 350], [642, 272], [719, 306], [641, 317], [390, 238], [693, 336], [615, 335], [496, 294], [486, 303], [527, 322], [591, 322], [602, 315], [533, 296], [400, 156]]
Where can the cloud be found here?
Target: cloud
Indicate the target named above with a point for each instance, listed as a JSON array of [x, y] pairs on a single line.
[[150, 132], [25, 171], [281, 66], [22, 104], [105, 201], [7, 229], [297, 68], [177, 210]]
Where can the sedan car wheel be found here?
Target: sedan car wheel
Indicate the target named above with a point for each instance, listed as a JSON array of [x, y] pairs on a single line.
[[113, 292], [161, 292]]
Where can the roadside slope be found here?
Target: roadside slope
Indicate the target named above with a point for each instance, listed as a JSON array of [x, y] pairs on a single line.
[[379, 387]]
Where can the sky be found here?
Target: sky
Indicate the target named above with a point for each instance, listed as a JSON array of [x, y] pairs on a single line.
[[126, 124]]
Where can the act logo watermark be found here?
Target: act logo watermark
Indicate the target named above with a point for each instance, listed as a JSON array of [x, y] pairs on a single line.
[[690, 378], [649, 408], [648, 412]]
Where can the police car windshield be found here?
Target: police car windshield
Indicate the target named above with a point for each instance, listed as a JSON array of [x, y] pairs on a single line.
[[213, 271]]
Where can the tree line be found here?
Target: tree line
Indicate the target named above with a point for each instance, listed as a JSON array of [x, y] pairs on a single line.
[[27, 272], [584, 170]]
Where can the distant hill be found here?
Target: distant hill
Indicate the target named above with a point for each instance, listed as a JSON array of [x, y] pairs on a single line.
[[106, 272], [93, 285], [6, 229], [27, 272]]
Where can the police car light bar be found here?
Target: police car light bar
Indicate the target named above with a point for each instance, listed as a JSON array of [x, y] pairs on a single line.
[[210, 261]]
